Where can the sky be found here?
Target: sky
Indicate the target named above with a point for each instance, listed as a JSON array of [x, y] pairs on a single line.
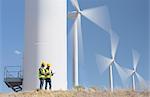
[[129, 19]]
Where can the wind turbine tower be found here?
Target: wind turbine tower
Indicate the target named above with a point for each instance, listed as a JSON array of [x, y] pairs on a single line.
[[133, 72], [97, 15], [45, 39], [108, 63]]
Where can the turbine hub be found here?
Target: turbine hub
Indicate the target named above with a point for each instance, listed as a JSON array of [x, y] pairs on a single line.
[[79, 12], [133, 72], [112, 62]]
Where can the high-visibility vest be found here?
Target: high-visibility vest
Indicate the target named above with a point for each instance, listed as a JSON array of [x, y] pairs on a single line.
[[48, 73], [41, 73]]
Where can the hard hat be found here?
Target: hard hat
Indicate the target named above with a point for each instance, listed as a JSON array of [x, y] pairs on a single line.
[[43, 63], [49, 64]]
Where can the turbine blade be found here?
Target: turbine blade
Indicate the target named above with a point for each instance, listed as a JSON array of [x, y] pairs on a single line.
[[99, 16], [141, 81], [136, 58], [124, 75], [72, 15], [103, 63], [75, 4], [80, 37], [128, 71], [114, 38]]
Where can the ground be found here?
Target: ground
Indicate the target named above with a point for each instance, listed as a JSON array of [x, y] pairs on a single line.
[[92, 92]]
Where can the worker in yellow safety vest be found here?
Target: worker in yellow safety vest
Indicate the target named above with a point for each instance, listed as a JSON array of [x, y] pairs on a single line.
[[42, 74], [48, 75]]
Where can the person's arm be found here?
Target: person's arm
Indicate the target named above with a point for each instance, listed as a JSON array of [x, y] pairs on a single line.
[[52, 73]]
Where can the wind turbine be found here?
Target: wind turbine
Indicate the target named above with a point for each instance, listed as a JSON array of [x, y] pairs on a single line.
[[108, 63], [99, 16], [133, 72]]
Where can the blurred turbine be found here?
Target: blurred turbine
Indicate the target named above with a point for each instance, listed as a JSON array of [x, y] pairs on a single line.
[[133, 72], [99, 16], [105, 63]]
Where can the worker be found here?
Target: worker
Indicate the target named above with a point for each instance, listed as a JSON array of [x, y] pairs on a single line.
[[42, 74], [48, 75]]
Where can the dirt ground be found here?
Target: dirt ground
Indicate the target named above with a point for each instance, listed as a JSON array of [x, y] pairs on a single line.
[[78, 93]]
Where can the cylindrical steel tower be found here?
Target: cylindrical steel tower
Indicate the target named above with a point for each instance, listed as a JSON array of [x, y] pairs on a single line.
[[45, 39]]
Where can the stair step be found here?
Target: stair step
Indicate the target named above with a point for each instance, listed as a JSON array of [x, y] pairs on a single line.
[[17, 88], [14, 83]]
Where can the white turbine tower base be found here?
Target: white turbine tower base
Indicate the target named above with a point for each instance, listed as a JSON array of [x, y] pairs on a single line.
[[45, 40], [99, 16], [111, 77], [133, 82], [75, 54]]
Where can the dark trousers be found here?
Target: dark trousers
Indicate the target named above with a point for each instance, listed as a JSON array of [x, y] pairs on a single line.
[[41, 82], [48, 81]]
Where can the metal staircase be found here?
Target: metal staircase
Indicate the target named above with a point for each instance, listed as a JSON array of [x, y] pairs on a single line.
[[13, 77]]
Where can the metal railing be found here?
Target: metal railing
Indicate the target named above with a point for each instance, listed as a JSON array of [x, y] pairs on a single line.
[[12, 72]]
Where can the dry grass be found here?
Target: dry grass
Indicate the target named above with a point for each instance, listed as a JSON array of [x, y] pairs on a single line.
[[78, 92]]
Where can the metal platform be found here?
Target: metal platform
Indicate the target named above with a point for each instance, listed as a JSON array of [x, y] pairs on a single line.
[[13, 78]]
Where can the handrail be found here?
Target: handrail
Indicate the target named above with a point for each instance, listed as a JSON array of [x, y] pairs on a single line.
[[12, 71]]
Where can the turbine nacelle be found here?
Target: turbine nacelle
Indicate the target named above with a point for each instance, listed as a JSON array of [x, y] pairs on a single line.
[[134, 71], [74, 14], [79, 12], [113, 62]]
